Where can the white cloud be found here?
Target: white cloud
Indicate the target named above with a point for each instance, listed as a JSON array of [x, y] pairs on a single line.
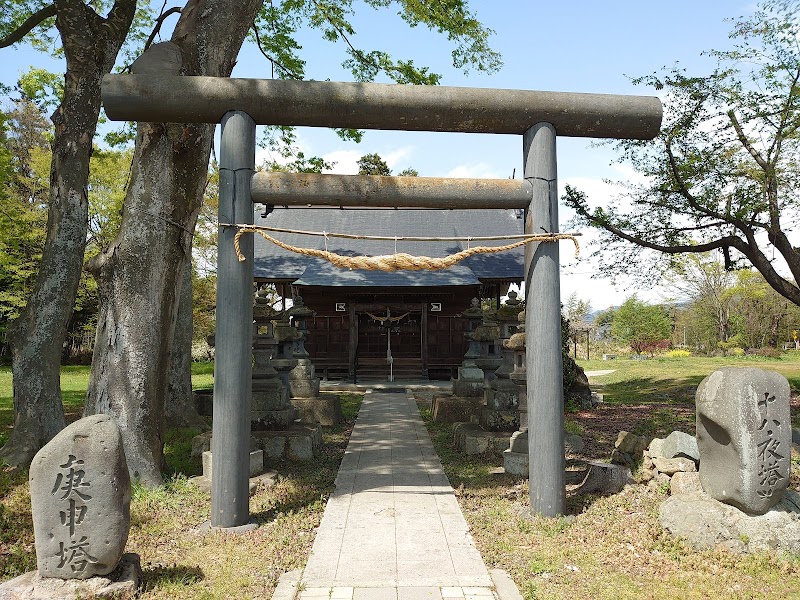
[[479, 170], [346, 161]]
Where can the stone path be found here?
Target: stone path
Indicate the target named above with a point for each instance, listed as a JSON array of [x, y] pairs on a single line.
[[393, 529], [599, 373]]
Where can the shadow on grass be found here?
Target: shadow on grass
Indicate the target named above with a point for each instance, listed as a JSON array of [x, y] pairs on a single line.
[[172, 575], [640, 390]]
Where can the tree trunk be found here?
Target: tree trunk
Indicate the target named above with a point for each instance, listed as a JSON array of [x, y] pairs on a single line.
[[180, 410], [139, 276], [90, 45]]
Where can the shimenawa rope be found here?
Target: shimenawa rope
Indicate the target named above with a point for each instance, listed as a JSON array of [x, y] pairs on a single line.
[[398, 261]]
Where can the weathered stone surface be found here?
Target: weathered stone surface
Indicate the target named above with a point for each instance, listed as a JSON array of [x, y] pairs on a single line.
[[670, 466], [325, 410], [744, 437], [573, 443], [685, 483], [708, 523], [453, 409], [678, 444], [469, 438], [80, 499], [516, 463], [300, 442], [656, 447], [604, 478], [629, 449], [499, 420], [120, 584], [630, 443]]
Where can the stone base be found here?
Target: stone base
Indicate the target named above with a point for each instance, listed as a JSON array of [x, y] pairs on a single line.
[[298, 442], [708, 523], [120, 584], [468, 388], [515, 459], [471, 439], [500, 420], [325, 410], [453, 409], [256, 463], [516, 463], [265, 480]]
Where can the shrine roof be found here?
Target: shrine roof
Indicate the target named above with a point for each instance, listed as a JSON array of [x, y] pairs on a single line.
[[273, 263]]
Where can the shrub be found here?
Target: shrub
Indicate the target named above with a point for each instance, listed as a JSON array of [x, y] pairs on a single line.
[[769, 352], [735, 351], [678, 353]]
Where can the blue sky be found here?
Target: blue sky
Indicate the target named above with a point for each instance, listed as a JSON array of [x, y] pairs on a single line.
[[579, 46]]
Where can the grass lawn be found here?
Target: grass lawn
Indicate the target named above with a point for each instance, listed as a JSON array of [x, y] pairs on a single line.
[[609, 548], [605, 548], [176, 562]]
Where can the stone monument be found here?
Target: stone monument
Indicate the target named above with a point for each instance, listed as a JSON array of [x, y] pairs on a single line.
[[744, 437], [740, 499], [80, 500]]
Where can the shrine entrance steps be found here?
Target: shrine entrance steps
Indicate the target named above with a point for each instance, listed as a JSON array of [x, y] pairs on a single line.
[[393, 530]]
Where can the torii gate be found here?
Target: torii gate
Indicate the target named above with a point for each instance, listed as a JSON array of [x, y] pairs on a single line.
[[240, 104]]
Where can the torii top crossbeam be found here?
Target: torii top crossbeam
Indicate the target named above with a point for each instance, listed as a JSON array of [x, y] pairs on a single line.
[[183, 99]]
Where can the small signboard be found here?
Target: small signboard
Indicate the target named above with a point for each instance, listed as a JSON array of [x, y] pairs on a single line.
[[436, 307], [341, 307]]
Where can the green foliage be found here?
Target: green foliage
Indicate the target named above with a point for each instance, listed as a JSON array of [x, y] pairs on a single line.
[[24, 172], [278, 27], [722, 174], [640, 325], [42, 87], [409, 172], [373, 164]]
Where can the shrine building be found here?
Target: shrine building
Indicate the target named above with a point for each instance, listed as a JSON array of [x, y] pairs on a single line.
[[364, 317]]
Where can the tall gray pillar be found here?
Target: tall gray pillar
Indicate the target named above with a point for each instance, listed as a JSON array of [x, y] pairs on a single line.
[[230, 444], [543, 328]]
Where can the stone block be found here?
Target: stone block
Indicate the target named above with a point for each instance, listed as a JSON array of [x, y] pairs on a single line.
[[121, 584], [274, 446], [670, 466], [469, 438], [80, 499], [453, 409], [300, 448], [629, 443], [744, 437], [201, 443], [656, 447], [678, 444], [604, 478], [516, 463], [325, 410], [685, 483], [464, 387], [256, 463], [707, 523], [499, 420]]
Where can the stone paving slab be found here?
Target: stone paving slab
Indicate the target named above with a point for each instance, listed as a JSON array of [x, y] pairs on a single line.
[[393, 530]]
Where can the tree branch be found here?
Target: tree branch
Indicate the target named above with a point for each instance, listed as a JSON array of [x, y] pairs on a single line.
[[275, 62], [159, 22], [35, 19]]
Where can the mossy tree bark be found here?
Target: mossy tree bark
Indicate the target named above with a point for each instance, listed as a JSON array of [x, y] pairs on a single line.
[[140, 274], [90, 43]]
